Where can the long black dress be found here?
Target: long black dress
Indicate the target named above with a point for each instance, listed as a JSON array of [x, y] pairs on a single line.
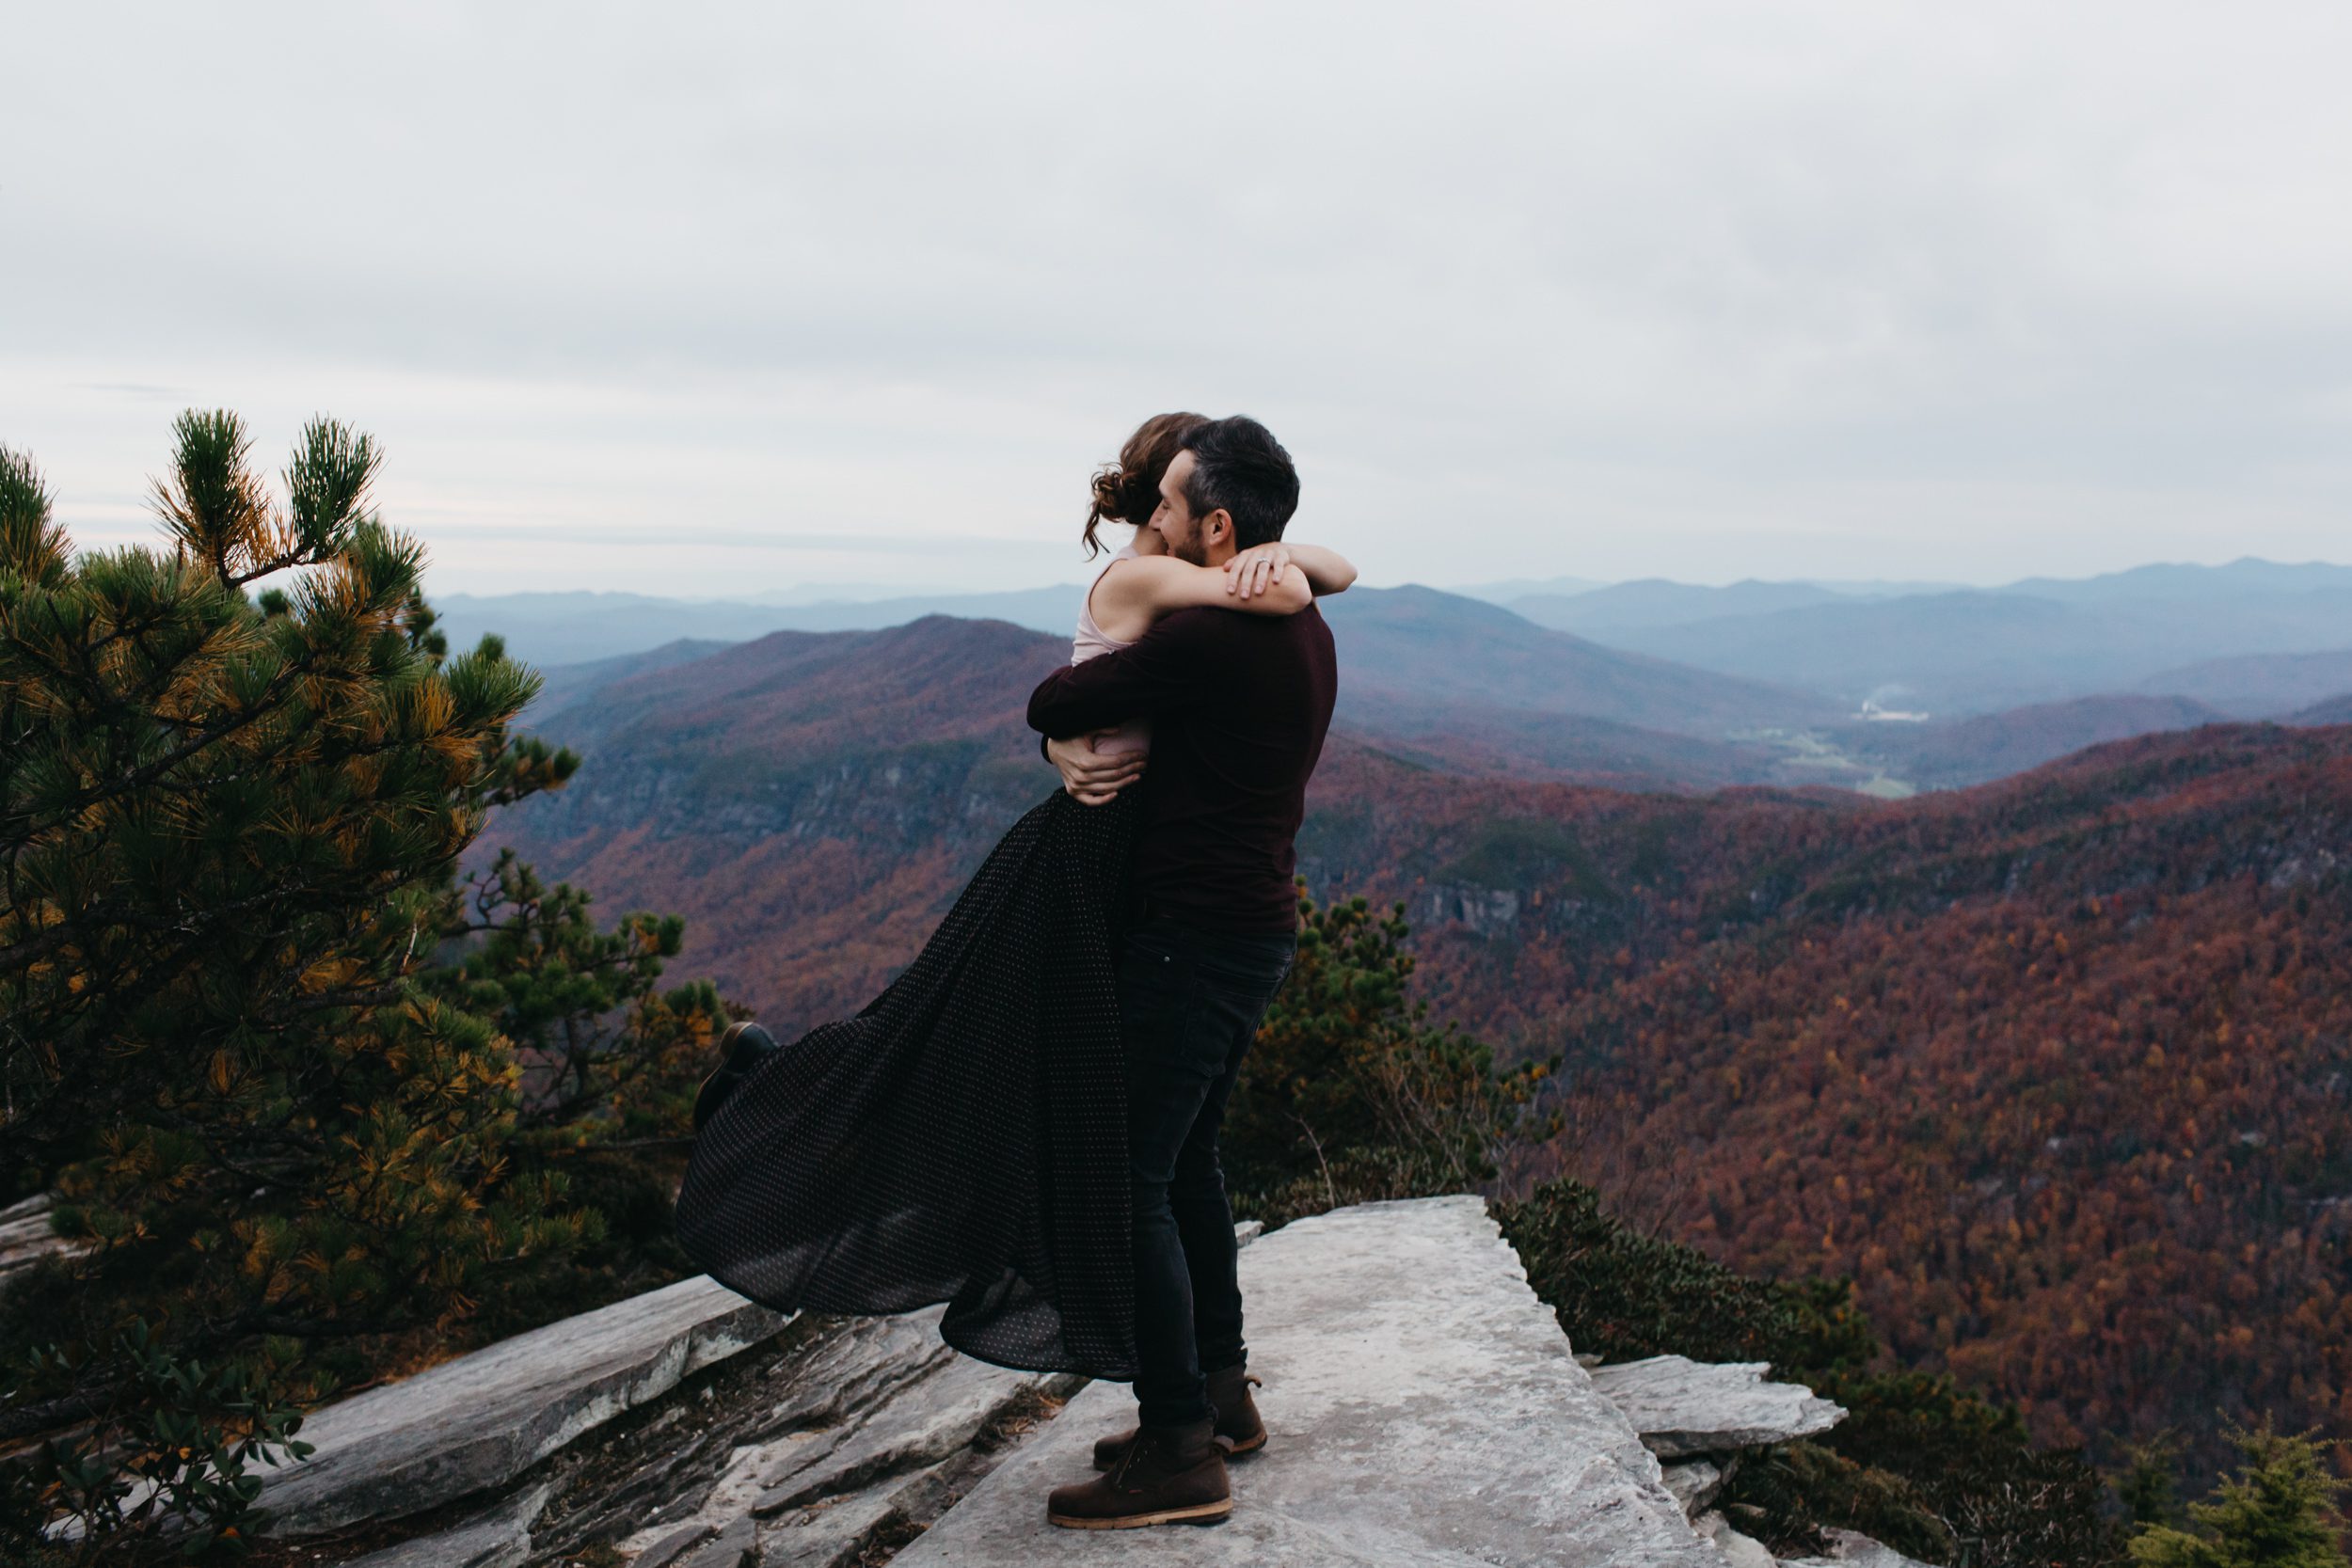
[[964, 1138]]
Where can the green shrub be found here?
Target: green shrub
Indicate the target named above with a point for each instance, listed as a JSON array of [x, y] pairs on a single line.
[[1623, 1295], [167, 1477], [1788, 1493], [1348, 1095], [2002, 1502], [2278, 1511]]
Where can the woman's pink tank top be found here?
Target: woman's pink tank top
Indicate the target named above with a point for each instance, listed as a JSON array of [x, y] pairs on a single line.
[[1135, 734]]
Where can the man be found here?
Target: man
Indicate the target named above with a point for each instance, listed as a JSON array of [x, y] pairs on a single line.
[[1239, 706]]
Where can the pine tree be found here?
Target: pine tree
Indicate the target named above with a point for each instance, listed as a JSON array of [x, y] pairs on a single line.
[[604, 1054], [2278, 1511], [229, 819]]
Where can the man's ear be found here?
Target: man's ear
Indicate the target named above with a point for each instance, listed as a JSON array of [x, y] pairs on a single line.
[[1216, 528]]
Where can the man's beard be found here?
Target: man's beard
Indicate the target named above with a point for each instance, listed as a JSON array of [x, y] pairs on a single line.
[[1191, 550]]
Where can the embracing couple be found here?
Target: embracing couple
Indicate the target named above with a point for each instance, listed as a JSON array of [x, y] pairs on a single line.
[[1023, 1124]]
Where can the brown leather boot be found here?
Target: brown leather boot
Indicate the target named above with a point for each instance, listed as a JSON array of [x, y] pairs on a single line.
[[1167, 1476], [1238, 1426]]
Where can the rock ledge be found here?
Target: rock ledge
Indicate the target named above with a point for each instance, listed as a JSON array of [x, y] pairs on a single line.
[[1682, 1406], [1424, 1410], [473, 1424]]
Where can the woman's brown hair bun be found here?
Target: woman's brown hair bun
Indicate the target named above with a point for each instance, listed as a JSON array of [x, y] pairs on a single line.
[[1128, 490]]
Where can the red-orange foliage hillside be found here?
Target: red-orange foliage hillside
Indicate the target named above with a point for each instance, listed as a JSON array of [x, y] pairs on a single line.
[[2060, 1069]]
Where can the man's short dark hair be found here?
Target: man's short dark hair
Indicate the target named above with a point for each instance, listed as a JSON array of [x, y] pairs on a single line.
[[1239, 465]]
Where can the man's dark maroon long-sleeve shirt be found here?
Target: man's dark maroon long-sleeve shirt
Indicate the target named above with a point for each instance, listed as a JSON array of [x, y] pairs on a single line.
[[1239, 705]]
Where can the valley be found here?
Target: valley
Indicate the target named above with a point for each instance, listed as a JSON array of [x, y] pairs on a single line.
[[2033, 1022]]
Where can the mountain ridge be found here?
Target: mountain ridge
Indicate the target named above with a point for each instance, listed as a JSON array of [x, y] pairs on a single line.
[[1956, 650]]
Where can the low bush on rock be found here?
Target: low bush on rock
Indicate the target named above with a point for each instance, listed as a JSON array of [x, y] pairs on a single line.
[[1349, 1095], [1623, 1296], [184, 1451]]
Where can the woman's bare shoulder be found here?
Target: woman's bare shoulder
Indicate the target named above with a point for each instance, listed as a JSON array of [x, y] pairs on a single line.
[[1138, 579]]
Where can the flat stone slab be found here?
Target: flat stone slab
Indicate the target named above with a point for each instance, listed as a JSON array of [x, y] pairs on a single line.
[[1424, 1412], [1681, 1406], [475, 1423]]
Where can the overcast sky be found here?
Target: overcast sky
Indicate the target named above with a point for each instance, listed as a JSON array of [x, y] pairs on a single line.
[[716, 300]]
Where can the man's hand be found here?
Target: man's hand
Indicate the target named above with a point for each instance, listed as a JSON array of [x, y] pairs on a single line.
[[1257, 569], [1095, 780]]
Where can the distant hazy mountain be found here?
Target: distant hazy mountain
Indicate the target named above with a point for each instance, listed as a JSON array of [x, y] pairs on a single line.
[[560, 685], [1053, 610], [2335, 710], [1520, 588], [1415, 656], [1657, 602], [1430, 678], [828, 593], [1483, 741], [2259, 686], [2246, 576], [1968, 650], [1418, 645], [1983, 650], [1882, 587], [1512, 590], [1953, 753], [575, 629], [2148, 631]]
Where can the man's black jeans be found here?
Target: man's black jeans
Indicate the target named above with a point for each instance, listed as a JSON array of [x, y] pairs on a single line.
[[1189, 1001]]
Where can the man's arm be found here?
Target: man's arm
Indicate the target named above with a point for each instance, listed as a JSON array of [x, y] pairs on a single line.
[[1170, 668]]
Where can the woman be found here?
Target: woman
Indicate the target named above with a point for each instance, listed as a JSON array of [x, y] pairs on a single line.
[[963, 1139]]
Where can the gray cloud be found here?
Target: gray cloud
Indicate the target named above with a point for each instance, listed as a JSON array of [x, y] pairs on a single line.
[[644, 299]]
